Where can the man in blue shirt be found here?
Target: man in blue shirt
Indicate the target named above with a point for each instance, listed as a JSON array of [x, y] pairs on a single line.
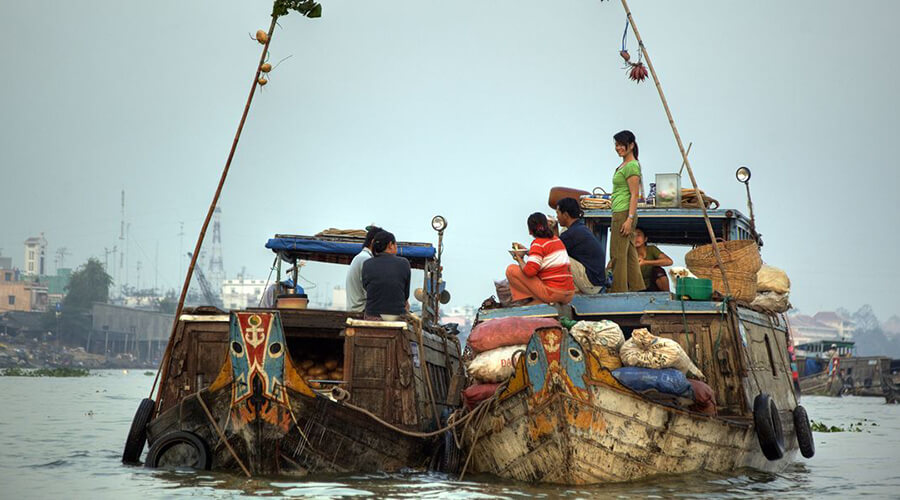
[[586, 255]]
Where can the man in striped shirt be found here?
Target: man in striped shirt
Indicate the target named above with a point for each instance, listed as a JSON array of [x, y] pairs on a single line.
[[545, 276]]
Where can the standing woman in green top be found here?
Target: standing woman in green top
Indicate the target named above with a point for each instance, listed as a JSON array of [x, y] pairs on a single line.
[[626, 191]]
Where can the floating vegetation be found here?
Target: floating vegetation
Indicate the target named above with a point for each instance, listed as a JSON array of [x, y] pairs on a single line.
[[45, 372], [853, 427], [149, 374]]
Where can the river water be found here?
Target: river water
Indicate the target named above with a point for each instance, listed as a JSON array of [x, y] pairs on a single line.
[[62, 438]]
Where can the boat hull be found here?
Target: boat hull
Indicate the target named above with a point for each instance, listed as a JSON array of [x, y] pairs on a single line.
[[615, 437]]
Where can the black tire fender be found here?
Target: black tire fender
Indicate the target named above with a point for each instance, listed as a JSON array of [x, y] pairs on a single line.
[[164, 443], [804, 432], [768, 426], [137, 435], [449, 460]]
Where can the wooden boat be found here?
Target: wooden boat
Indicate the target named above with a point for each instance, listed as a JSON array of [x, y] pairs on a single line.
[[830, 368], [565, 419], [234, 396]]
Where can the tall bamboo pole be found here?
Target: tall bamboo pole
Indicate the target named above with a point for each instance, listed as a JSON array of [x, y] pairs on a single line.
[[164, 364], [687, 163]]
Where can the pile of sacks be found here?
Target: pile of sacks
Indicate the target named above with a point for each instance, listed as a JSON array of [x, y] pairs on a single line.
[[660, 365], [773, 288], [493, 344]]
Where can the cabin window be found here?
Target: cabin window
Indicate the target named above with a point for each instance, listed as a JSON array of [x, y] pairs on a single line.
[[12, 300], [771, 358], [7, 276]]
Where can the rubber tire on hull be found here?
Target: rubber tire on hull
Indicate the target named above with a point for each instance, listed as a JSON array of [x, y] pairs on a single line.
[[804, 432], [768, 427], [165, 443], [137, 435], [449, 462]]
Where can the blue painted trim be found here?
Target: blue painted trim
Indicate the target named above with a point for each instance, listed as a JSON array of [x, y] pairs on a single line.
[[540, 310], [639, 303]]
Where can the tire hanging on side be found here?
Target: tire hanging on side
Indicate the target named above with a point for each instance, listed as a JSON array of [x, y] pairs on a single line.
[[137, 435], [166, 442], [768, 426], [804, 432]]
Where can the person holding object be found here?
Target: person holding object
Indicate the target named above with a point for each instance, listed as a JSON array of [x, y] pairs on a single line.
[[356, 292], [545, 276], [386, 280], [585, 252], [652, 261], [626, 191]]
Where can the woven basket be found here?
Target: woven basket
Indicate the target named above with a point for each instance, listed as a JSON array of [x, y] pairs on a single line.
[[742, 283], [737, 255]]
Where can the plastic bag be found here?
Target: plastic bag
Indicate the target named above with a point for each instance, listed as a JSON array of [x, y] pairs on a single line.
[[503, 332], [495, 365], [504, 294], [668, 381], [646, 350], [772, 279], [603, 338]]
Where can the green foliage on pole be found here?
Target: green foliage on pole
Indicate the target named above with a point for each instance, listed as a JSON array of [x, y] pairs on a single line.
[[308, 8]]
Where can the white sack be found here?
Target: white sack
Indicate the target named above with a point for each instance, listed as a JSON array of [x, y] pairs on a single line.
[[494, 365], [772, 279], [772, 301], [646, 350]]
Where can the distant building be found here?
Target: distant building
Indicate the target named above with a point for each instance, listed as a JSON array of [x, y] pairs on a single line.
[[123, 330], [57, 284], [35, 248], [241, 292], [825, 325], [18, 294]]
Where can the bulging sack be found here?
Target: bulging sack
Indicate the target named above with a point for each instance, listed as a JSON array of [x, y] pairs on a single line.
[[669, 381], [771, 279], [646, 350], [772, 301], [495, 365], [502, 332], [477, 393], [603, 338]]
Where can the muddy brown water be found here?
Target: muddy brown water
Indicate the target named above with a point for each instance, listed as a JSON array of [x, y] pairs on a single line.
[[62, 438]]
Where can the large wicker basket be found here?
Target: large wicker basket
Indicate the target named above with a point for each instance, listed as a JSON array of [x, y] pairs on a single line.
[[739, 255], [742, 283], [741, 260]]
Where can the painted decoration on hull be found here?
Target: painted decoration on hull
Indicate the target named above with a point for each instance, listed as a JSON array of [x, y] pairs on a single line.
[[555, 362], [258, 364]]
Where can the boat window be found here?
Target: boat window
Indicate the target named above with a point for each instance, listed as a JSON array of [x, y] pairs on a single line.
[[771, 358]]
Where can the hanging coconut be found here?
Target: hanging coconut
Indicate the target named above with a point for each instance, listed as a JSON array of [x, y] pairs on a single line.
[[262, 81], [262, 37], [265, 67]]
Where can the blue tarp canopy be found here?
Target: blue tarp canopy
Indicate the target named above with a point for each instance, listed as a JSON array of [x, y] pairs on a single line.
[[340, 250]]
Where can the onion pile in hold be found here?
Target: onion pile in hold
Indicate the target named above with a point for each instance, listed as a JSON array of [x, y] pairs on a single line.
[[638, 72], [262, 37], [328, 369]]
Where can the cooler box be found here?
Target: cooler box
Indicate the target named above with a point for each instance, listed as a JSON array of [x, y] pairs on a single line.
[[694, 288]]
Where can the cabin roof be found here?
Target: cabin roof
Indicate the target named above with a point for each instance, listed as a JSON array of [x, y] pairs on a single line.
[[682, 226], [340, 249], [826, 343]]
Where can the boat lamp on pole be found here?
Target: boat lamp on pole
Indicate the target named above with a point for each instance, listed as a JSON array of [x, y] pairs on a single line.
[[743, 176]]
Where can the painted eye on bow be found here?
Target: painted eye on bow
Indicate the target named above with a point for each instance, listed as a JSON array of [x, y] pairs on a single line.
[[237, 348], [275, 349], [575, 354], [532, 357]]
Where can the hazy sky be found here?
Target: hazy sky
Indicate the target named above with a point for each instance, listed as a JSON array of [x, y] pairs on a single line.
[[393, 112]]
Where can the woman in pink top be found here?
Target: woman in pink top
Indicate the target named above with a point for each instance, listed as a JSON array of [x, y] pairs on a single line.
[[545, 276]]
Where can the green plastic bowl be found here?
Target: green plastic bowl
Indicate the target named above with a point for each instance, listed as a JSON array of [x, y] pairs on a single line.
[[695, 288]]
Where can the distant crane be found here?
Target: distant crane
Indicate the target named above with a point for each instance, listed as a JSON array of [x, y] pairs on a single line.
[[212, 298]]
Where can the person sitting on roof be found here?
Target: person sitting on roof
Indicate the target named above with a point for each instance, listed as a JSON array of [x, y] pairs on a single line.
[[585, 252], [546, 276], [356, 292], [386, 279], [652, 261]]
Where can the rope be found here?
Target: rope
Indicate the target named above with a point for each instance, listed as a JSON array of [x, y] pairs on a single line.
[[266, 287], [421, 336], [624, 34], [222, 435], [406, 432]]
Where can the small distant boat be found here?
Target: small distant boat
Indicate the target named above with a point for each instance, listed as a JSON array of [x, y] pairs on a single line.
[[830, 368], [239, 394]]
